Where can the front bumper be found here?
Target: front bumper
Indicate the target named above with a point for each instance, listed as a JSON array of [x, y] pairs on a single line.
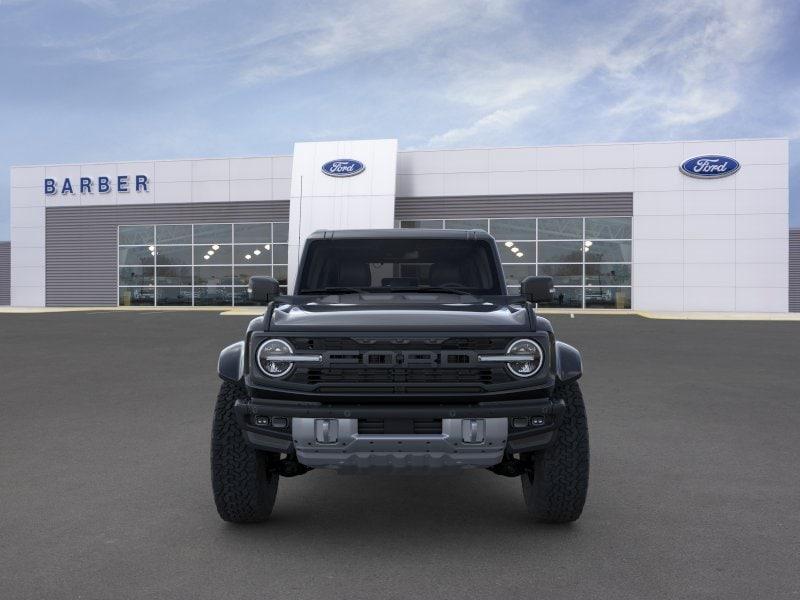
[[416, 451]]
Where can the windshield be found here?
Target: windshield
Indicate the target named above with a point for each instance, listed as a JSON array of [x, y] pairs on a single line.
[[408, 265]]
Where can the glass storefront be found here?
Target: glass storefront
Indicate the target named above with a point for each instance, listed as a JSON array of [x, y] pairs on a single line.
[[589, 258], [206, 264]]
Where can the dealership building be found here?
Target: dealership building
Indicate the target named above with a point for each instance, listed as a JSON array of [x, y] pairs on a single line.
[[672, 226]]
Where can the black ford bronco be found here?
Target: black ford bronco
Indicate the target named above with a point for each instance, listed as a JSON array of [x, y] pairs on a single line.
[[400, 349]]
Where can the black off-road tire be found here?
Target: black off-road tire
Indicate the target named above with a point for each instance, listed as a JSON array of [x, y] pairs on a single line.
[[555, 485], [244, 480]]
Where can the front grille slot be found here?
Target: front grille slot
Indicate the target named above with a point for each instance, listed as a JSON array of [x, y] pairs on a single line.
[[400, 426]]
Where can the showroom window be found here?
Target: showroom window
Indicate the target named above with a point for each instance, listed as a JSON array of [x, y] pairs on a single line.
[[206, 264], [589, 258]]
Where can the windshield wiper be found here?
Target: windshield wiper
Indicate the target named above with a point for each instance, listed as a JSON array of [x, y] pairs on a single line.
[[333, 290], [430, 289]]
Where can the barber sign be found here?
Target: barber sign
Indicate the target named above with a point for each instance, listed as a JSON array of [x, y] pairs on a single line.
[[343, 167], [710, 166]]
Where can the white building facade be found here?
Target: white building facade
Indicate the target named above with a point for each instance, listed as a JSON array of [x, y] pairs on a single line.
[[616, 225]]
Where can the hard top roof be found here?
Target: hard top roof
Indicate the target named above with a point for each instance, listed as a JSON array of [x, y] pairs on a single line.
[[372, 234]]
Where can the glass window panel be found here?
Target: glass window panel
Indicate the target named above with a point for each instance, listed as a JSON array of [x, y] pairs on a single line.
[[241, 297], [136, 276], [608, 228], [566, 297], [516, 273], [257, 233], [280, 254], [563, 274], [242, 273], [561, 252], [511, 254], [608, 252], [213, 275], [280, 232], [135, 234], [513, 290], [173, 275], [281, 274], [212, 233], [467, 224], [136, 296], [212, 296], [607, 297], [174, 255], [174, 296], [513, 229], [423, 224], [252, 254], [136, 255], [174, 234], [222, 255], [605, 274], [561, 229]]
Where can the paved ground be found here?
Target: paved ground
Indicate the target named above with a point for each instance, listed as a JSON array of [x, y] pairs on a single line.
[[104, 483]]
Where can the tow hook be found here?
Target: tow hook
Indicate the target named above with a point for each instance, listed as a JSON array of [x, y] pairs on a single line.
[[290, 467], [510, 467]]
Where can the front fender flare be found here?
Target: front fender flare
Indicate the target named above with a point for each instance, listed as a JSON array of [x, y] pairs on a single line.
[[569, 365], [230, 365]]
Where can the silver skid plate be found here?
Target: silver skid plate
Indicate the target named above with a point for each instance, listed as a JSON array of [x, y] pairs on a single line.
[[354, 451]]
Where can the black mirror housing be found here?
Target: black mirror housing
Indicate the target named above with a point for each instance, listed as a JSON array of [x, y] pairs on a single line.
[[263, 289], [537, 289]]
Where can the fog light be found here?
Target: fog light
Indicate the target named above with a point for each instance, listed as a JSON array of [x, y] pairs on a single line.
[[537, 421], [280, 422], [261, 420], [326, 431], [473, 431], [520, 422]]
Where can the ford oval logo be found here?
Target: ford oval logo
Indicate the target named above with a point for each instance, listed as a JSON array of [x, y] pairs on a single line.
[[710, 166], [343, 167]]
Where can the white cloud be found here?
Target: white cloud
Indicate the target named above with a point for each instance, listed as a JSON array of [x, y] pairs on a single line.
[[499, 120]]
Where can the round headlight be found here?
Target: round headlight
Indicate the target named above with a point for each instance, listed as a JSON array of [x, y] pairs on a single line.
[[268, 358], [534, 357]]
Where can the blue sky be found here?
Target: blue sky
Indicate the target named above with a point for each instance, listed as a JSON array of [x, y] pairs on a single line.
[[104, 80]]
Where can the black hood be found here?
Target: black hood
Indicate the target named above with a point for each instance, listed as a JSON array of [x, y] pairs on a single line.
[[399, 312]]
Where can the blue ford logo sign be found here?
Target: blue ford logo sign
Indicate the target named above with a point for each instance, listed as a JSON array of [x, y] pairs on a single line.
[[343, 167], [710, 166]]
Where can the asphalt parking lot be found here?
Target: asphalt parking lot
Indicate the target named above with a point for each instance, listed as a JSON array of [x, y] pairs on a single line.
[[104, 436]]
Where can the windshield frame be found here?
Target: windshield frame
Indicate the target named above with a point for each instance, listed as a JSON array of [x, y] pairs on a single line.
[[492, 263]]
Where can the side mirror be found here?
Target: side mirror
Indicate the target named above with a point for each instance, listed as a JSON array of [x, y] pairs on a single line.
[[263, 289], [537, 289]]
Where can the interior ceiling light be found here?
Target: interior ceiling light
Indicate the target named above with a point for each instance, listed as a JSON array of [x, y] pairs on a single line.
[[153, 253], [587, 243], [520, 255], [247, 257], [206, 257], [515, 249], [211, 253], [256, 251], [509, 244], [266, 246], [215, 247], [151, 248]]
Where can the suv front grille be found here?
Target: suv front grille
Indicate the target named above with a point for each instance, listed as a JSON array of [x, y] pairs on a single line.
[[400, 364]]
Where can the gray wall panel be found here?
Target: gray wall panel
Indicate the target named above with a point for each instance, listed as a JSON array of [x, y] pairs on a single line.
[[5, 273], [794, 270], [548, 205], [82, 241]]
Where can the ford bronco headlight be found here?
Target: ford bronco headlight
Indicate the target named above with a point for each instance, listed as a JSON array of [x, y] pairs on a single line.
[[269, 358], [531, 358]]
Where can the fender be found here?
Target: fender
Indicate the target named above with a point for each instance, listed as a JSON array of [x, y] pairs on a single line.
[[230, 366], [569, 366]]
